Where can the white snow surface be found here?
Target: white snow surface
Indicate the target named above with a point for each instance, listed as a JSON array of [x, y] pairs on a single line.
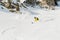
[[15, 26]]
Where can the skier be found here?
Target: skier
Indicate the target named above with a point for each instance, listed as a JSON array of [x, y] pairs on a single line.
[[36, 19]]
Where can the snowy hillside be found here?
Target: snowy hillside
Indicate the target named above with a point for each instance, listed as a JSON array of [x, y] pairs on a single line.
[[16, 26]]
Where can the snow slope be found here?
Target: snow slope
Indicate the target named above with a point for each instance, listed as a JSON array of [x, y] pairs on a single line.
[[15, 26]]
